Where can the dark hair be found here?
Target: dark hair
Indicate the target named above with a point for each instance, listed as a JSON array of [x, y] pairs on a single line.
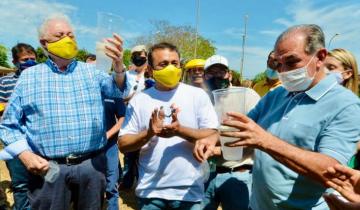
[[315, 38], [162, 45], [91, 57], [19, 48]]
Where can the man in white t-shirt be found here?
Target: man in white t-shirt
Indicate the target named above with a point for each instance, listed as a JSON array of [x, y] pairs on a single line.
[[164, 122]]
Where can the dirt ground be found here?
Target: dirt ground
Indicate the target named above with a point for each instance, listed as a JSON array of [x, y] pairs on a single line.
[[126, 201]]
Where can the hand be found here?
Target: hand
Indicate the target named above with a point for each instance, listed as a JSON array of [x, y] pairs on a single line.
[[336, 203], [156, 122], [206, 147], [174, 128], [34, 163], [346, 181], [248, 132], [115, 52]]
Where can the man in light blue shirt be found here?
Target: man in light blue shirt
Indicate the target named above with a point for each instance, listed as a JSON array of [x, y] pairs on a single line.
[[302, 128], [56, 113]]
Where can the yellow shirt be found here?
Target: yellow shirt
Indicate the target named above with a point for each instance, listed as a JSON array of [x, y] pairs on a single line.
[[264, 87]]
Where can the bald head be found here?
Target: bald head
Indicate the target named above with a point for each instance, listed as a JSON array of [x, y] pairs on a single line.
[[310, 34]]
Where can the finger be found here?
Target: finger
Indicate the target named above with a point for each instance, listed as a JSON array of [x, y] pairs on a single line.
[[118, 38], [113, 57], [238, 143], [238, 116], [330, 202], [209, 151], [235, 124], [116, 44], [345, 170], [112, 50], [161, 114], [199, 152], [234, 134]]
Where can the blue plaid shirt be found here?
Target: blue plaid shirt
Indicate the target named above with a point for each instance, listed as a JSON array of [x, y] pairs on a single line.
[[56, 113]]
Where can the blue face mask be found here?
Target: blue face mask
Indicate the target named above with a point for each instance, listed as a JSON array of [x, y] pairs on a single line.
[[23, 65], [271, 74]]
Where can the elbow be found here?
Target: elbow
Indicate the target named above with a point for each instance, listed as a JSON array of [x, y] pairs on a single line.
[[122, 146]]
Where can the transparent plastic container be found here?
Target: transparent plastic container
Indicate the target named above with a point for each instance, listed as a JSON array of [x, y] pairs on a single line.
[[226, 100], [107, 25]]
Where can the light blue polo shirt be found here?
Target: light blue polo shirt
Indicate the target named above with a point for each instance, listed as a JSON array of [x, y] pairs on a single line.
[[324, 119]]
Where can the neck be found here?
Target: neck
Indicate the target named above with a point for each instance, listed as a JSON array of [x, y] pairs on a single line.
[[140, 69], [271, 81], [61, 62], [163, 88]]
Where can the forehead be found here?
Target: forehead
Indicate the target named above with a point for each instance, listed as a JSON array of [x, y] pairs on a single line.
[[54, 26], [164, 54], [293, 44], [333, 61], [26, 53]]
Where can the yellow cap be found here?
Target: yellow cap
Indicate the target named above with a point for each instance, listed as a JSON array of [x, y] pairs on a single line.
[[195, 63], [2, 107]]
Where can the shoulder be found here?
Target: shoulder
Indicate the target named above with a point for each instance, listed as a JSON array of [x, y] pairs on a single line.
[[191, 90]]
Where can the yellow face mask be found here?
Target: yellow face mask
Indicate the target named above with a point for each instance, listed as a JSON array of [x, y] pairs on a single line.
[[64, 48], [169, 76]]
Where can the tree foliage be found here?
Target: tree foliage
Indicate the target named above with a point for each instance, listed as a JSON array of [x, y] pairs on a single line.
[[4, 57], [181, 36], [127, 57], [259, 77]]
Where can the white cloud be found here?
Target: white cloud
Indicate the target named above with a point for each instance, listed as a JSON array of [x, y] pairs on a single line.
[[236, 33]]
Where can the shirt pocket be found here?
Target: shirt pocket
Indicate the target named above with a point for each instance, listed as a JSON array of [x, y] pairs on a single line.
[[299, 134]]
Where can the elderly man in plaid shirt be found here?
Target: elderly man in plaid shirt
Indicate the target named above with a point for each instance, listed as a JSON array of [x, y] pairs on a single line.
[[56, 115]]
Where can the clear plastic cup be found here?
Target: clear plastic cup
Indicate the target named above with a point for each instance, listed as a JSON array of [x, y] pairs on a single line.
[[107, 25], [226, 100]]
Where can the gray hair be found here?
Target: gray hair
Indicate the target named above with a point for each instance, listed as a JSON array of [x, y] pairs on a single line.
[[42, 31], [315, 38]]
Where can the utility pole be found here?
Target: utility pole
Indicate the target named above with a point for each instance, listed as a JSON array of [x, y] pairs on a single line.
[[197, 26], [243, 47]]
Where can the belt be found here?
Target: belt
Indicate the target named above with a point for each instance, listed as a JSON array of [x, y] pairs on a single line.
[[243, 168], [73, 159]]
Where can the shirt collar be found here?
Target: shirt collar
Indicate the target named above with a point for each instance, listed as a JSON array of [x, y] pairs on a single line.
[[54, 67], [320, 89]]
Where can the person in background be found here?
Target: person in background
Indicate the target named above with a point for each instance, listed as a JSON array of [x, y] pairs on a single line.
[[343, 64], [271, 80], [54, 122], [136, 82], [114, 117], [24, 56], [90, 58], [194, 73]]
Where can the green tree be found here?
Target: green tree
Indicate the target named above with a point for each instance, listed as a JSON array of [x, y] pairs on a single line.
[[40, 55], [81, 55], [181, 36], [259, 77], [236, 78], [3, 57], [127, 57]]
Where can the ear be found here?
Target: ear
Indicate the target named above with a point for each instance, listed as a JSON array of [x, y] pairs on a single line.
[[43, 43], [230, 75], [321, 55], [347, 74], [150, 71]]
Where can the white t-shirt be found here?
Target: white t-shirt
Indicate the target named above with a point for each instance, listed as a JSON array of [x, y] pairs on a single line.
[[134, 83], [167, 168]]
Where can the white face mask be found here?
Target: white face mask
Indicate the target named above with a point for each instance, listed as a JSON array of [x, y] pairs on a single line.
[[337, 74], [296, 80]]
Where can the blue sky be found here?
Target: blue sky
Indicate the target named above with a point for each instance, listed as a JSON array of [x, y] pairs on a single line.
[[220, 21]]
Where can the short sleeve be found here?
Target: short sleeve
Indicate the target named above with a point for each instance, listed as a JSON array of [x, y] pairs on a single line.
[[131, 123], [206, 115], [341, 135]]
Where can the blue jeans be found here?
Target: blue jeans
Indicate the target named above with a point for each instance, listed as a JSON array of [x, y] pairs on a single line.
[[158, 204], [112, 175], [19, 183], [232, 190]]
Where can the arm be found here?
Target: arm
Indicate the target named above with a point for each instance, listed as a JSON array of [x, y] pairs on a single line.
[[297, 159], [115, 129], [192, 134], [133, 142]]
